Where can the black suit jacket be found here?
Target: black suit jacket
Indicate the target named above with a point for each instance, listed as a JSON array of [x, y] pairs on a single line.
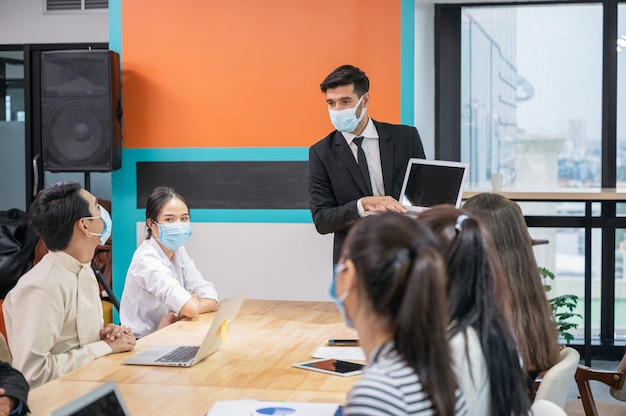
[[336, 183]]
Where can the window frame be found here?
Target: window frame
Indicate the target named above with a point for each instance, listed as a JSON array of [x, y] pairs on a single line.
[[448, 44]]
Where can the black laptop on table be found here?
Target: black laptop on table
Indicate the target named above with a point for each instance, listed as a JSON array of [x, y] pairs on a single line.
[[105, 400]]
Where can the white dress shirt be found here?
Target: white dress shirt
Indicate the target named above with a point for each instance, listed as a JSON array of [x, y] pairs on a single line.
[[371, 148], [156, 286]]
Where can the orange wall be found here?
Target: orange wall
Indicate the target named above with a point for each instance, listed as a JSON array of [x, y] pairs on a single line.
[[246, 73]]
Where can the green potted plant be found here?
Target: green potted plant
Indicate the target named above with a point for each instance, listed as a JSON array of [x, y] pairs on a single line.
[[562, 306]]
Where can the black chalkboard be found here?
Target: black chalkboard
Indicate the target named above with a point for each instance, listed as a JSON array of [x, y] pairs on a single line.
[[229, 185]]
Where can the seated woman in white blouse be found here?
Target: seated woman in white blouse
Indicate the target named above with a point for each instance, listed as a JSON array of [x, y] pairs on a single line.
[[163, 284]]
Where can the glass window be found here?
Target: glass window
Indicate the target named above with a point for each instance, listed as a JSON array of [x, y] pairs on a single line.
[[620, 234], [12, 130], [531, 89], [564, 255], [621, 96], [620, 284]]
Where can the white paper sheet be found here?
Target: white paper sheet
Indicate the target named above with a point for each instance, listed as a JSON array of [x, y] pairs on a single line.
[[264, 408], [340, 353]]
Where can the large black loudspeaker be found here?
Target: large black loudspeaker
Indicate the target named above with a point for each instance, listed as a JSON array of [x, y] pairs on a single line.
[[81, 111]]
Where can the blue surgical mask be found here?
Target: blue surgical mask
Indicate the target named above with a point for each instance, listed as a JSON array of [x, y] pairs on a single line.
[[108, 225], [346, 120], [339, 300], [174, 235]]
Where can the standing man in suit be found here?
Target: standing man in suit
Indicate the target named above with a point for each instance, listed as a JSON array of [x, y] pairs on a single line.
[[360, 166]]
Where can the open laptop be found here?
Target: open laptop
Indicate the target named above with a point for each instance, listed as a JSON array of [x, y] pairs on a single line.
[[106, 400], [189, 355], [432, 182]]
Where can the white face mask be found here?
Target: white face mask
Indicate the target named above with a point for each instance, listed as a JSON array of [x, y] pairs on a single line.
[[346, 120]]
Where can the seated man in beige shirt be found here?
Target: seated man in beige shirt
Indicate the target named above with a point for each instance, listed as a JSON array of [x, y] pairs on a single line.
[[54, 315]]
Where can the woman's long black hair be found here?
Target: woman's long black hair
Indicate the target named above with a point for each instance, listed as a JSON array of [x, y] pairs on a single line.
[[402, 273], [478, 298]]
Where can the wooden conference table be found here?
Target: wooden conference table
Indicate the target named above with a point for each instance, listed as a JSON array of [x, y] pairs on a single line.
[[264, 340]]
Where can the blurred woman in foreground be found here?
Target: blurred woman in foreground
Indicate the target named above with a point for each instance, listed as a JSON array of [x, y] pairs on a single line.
[[390, 285]]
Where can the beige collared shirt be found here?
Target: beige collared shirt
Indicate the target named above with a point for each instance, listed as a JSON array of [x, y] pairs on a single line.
[[53, 318]]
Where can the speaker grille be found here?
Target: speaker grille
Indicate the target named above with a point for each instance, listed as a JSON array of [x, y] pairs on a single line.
[[74, 134], [75, 74], [80, 94]]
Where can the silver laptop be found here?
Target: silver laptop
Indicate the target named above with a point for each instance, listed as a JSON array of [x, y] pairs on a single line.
[[432, 182], [189, 355], [106, 400]]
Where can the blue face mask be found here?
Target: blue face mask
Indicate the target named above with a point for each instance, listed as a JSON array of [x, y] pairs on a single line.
[[174, 235], [339, 300], [108, 225], [346, 120]]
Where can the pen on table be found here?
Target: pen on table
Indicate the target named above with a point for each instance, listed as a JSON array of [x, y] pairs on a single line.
[[343, 342]]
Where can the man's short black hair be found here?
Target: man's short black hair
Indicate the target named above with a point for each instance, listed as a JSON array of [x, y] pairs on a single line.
[[346, 75], [54, 212]]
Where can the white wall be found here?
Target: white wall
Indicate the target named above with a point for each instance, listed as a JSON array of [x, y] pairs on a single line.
[[425, 74], [23, 21], [268, 261]]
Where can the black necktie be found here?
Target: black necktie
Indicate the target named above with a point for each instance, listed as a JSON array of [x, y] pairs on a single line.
[[363, 163]]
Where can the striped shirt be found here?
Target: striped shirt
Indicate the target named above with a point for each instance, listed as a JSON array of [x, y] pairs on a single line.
[[389, 386]]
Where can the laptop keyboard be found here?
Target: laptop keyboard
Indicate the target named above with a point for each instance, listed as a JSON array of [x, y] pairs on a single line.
[[180, 354]]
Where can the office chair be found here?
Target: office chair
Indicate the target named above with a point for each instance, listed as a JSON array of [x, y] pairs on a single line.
[[586, 404], [105, 285], [545, 408], [557, 379], [5, 353]]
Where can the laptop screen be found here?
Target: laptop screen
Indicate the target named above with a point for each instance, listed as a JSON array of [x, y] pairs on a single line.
[[106, 400], [432, 182]]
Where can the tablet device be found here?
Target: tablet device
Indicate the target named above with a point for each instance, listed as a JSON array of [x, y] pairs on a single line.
[[332, 366]]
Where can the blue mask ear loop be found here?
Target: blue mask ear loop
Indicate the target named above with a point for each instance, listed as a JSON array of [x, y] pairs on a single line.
[[338, 269], [339, 300], [107, 225], [152, 232]]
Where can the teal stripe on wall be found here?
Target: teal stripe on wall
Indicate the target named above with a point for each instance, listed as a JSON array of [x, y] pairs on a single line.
[[124, 237], [115, 25], [407, 62], [207, 154], [275, 216]]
